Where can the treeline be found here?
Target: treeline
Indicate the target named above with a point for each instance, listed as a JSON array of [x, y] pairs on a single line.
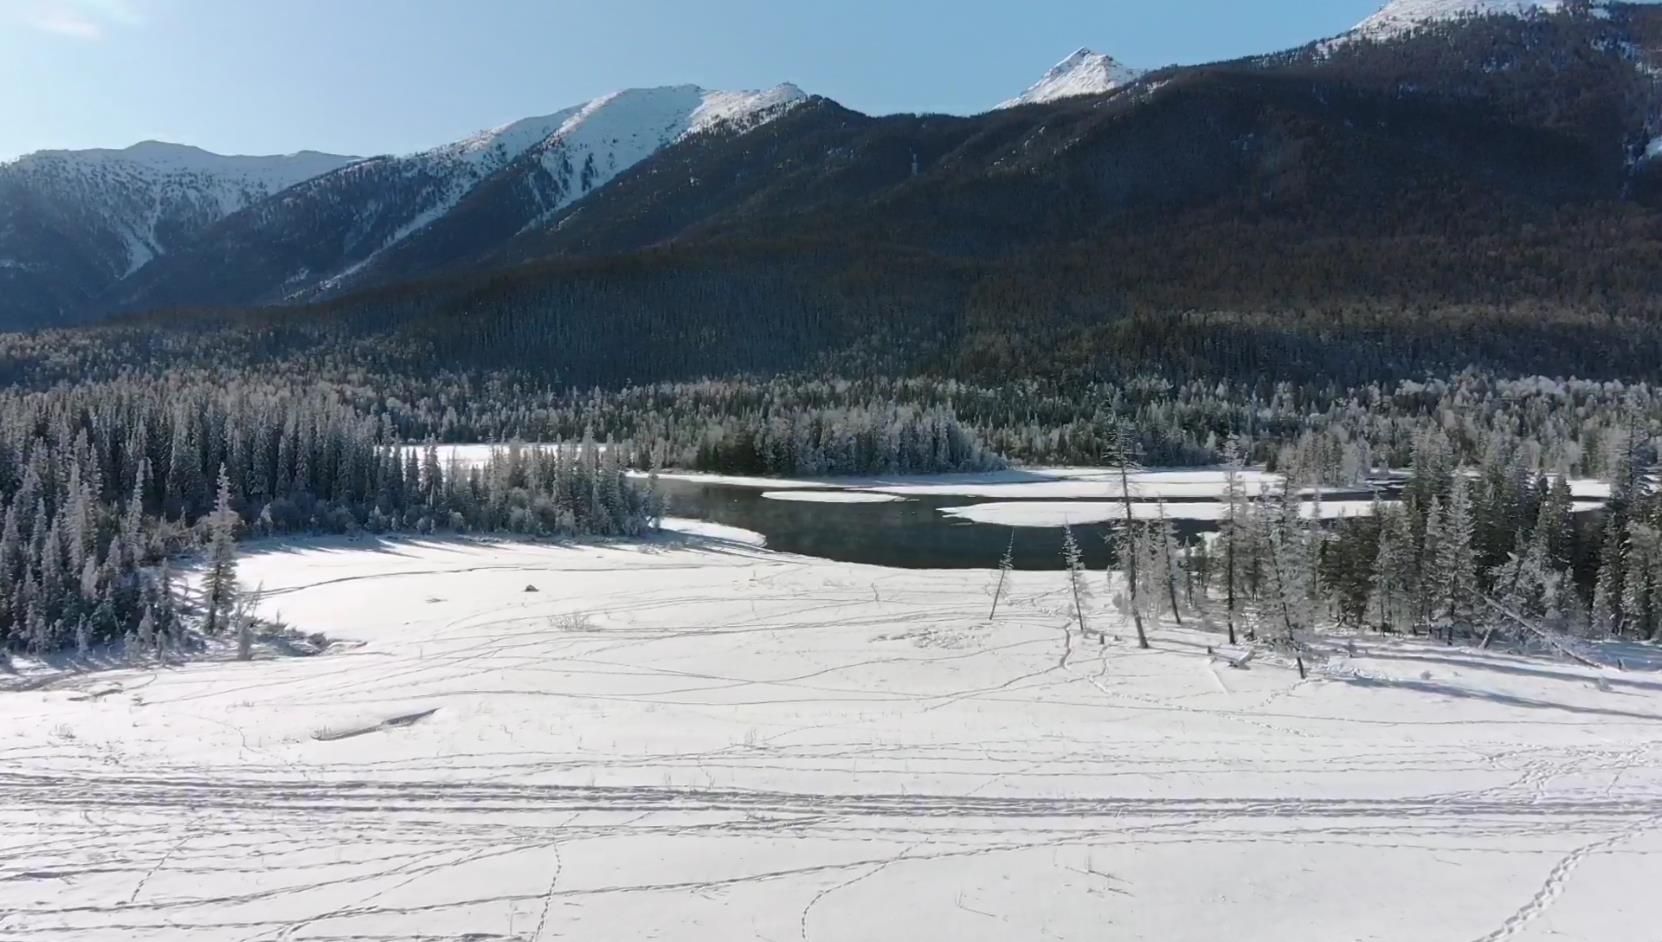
[[102, 483], [1468, 551], [857, 424]]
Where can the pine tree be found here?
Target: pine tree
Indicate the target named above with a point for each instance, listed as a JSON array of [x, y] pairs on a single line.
[[1165, 542], [1074, 561], [1456, 560], [1393, 571], [146, 637], [220, 586], [1436, 583], [1644, 546], [1289, 559], [1229, 530], [1607, 589]]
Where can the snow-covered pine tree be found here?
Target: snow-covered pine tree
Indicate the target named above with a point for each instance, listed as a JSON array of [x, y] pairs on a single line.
[[146, 636], [1456, 560], [1607, 588], [1074, 561], [1393, 572], [1644, 547], [1229, 531], [219, 586], [132, 518], [1289, 562], [1164, 541], [432, 476], [1436, 582]]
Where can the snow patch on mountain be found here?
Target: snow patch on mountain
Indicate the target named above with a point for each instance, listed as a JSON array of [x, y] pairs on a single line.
[[614, 133], [1403, 16], [1083, 73], [744, 110]]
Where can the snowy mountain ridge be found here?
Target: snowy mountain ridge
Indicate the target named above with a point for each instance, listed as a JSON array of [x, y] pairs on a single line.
[[154, 195], [1083, 73], [418, 212], [612, 134], [1403, 16], [578, 150]]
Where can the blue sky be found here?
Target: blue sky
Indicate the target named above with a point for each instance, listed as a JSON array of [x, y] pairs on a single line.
[[390, 76]]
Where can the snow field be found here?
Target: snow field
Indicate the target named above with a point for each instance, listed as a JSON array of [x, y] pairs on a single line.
[[698, 739]]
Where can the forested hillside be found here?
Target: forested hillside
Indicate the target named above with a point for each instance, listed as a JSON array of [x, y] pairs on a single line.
[[1478, 192]]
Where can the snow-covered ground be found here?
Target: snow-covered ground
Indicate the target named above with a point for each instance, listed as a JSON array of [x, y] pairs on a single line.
[[699, 739]]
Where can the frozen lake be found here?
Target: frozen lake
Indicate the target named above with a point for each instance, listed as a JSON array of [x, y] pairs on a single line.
[[967, 521]]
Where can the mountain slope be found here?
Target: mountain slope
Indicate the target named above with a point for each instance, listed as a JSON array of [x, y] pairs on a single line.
[[1461, 194], [1083, 73], [609, 137], [395, 212], [73, 223]]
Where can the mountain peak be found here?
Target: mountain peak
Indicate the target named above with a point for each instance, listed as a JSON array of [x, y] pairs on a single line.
[[1083, 73], [1402, 16], [144, 150]]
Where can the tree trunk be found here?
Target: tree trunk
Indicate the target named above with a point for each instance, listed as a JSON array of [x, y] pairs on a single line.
[[1131, 557]]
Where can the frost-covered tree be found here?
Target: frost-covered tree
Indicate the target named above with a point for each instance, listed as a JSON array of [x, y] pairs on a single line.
[[1289, 562], [1073, 560], [1120, 455], [1394, 568], [1455, 560], [1607, 588], [1436, 582], [219, 585], [1230, 532], [1165, 563], [1641, 560]]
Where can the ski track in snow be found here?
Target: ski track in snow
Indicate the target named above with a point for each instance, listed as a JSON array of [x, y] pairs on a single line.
[[734, 744]]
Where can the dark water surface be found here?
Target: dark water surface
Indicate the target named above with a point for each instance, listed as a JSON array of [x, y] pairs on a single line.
[[913, 533], [907, 534]]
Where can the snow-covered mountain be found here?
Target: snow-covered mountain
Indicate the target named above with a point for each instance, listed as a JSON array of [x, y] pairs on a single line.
[[1403, 16], [1083, 73], [457, 200], [73, 223], [153, 195]]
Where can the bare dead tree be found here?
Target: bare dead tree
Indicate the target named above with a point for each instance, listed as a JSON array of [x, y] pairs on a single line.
[[1005, 564], [1120, 457]]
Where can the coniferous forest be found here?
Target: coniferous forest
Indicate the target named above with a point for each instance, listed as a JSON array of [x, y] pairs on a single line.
[[122, 448]]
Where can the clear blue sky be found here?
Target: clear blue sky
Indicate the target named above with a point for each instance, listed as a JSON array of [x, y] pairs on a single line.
[[390, 76]]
